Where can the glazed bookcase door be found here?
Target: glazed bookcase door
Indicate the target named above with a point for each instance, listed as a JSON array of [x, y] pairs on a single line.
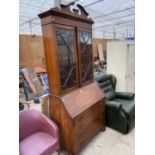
[[67, 57], [85, 41]]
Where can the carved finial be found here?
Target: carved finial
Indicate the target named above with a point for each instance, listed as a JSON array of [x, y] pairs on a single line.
[[74, 9], [69, 11]]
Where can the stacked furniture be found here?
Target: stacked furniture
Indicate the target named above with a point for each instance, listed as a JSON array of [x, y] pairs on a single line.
[[76, 101], [120, 106]]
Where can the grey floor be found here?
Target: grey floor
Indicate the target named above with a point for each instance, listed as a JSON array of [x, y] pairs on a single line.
[[109, 142]]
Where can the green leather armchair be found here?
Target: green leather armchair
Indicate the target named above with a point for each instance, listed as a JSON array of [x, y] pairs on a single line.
[[120, 106]]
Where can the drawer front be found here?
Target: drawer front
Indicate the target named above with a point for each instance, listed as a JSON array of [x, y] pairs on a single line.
[[84, 136], [87, 125], [88, 116]]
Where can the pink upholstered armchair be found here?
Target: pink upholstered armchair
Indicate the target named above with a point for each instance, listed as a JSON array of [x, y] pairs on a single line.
[[38, 135]]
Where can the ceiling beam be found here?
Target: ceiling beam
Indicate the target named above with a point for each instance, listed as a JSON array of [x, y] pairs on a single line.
[[123, 31], [117, 11], [28, 21], [114, 24], [117, 17], [119, 28], [93, 3]]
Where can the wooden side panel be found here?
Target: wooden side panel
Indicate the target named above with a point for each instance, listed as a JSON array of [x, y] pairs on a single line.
[[49, 40], [64, 122]]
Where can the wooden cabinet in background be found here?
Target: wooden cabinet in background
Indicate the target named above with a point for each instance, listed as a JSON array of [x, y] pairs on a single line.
[[76, 101]]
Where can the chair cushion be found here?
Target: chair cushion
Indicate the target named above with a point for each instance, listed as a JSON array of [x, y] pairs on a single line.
[[39, 143]]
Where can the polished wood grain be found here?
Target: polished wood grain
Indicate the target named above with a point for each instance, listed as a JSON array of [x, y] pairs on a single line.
[[81, 99], [50, 49], [79, 111], [66, 22], [67, 14], [77, 129]]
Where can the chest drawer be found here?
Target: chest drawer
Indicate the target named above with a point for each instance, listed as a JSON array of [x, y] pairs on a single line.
[[86, 134], [89, 115], [93, 116]]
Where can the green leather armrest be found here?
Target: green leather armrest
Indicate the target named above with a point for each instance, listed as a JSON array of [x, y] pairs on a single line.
[[129, 109], [112, 104], [125, 95]]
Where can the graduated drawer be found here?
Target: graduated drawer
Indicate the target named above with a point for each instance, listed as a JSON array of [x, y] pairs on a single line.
[[82, 137], [89, 115], [88, 118]]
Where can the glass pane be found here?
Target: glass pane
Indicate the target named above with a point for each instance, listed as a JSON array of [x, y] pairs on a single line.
[[86, 55], [67, 57]]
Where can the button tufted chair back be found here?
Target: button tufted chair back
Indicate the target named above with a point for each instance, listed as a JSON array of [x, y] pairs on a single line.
[[120, 106], [107, 83]]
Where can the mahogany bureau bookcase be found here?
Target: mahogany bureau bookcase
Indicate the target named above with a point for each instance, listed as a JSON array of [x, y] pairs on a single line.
[[76, 101]]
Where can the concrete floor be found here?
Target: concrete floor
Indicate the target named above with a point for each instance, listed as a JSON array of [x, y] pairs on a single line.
[[109, 142]]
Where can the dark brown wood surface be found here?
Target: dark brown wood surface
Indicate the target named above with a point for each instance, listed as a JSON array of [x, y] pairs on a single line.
[[65, 12], [81, 99], [76, 132], [50, 49], [78, 111]]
